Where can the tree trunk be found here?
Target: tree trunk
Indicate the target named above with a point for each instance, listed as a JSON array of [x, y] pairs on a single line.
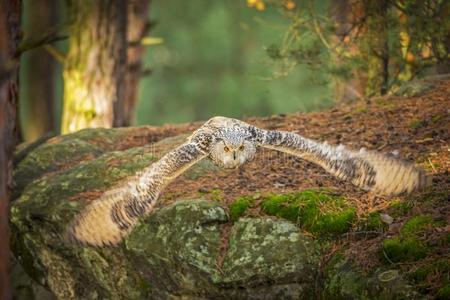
[[138, 27], [9, 41], [39, 98], [376, 47], [347, 16], [95, 67]]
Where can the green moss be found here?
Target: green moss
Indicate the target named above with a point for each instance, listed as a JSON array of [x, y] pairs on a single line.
[[415, 124], [439, 270], [48, 197], [441, 266], [437, 117], [344, 279], [214, 194], [52, 157], [284, 206], [444, 292], [374, 222], [403, 249], [434, 197], [319, 212], [361, 110], [399, 208], [407, 246], [239, 206], [416, 225]]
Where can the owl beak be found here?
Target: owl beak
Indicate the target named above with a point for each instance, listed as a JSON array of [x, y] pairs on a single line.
[[234, 155]]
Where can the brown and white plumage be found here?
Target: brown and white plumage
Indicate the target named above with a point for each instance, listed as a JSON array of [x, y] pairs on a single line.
[[230, 143], [108, 219]]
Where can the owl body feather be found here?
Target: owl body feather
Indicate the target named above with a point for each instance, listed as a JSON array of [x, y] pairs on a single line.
[[230, 143]]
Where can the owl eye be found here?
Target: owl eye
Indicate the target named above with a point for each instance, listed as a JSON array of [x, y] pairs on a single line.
[[226, 149], [241, 148]]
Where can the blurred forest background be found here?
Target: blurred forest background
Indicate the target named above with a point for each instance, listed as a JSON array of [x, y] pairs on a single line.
[[190, 60]]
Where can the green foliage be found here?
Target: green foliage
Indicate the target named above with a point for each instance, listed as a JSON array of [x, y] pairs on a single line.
[[216, 195], [399, 40], [319, 212], [213, 194], [239, 206], [439, 271], [407, 245], [214, 63], [444, 293], [415, 124], [439, 266], [403, 249], [416, 225], [361, 110], [374, 222], [399, 208]]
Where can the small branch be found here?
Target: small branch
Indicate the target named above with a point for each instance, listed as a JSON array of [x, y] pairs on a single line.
[[317, 27], [146, 72], [55, 53], [432, 165], [30, 44], [387, 257], [146, 41]]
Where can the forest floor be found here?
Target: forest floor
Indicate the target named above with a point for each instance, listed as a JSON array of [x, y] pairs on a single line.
[[417, 127]]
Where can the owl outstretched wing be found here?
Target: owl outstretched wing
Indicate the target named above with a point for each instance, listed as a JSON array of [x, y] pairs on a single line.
[[108, 219], [370, 170]]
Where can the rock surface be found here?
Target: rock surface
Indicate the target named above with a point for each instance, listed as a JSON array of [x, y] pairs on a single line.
[[189, 249]]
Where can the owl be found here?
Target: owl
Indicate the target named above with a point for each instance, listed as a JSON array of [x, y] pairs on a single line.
[[230, 143]]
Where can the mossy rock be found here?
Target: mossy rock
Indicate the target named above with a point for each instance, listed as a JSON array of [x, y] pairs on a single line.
[[189, 249], [49, 157], [343, 280], [64, 152], [178, 249], [318, 211], [415, 88], [439, 270], [186, 235]]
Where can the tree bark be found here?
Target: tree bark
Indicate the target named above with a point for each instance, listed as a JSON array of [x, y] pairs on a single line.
[[9, 65], [376, 47], [138, 27], [347, 16], [39, 97], [94, 70]]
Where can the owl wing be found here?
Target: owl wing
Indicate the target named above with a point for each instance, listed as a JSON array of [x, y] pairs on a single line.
[[369, 170], [112, 216]]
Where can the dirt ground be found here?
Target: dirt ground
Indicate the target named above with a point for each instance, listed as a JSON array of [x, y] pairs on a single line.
[[418, 128]]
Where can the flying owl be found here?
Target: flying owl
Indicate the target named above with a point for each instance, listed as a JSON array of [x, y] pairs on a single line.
[[230, 143]]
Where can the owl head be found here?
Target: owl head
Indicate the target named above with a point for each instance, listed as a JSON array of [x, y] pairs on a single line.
[[231, 148]]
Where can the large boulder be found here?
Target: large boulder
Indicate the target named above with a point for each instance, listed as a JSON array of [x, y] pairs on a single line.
[[187, 250]]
